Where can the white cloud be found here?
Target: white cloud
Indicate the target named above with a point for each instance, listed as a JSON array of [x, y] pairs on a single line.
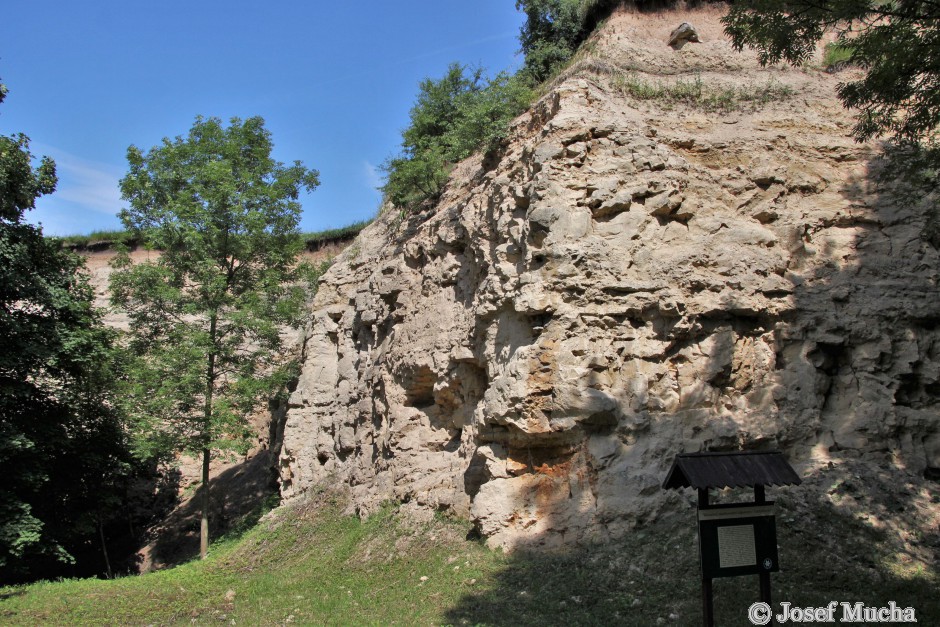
[[91, 185], [374, 177], [461, 46], [87, 196]]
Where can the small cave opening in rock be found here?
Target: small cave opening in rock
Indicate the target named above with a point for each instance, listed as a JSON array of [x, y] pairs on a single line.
[[908, 390], [419, 387], [475, 475], [453, 445], [538, 261], [539, 322], [828, 357], [537, 234]]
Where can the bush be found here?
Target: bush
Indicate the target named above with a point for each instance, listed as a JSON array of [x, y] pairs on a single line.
[[552, 32], [416, 178], [454, 116], [836, 53]]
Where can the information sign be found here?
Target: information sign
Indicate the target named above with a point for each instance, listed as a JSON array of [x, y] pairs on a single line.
[[738, 540]]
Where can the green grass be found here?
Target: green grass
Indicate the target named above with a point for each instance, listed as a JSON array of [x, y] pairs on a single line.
[[82, 241], [314, 565], [125, 237], [699, 94], [836, 52], [349, 231], [310, 565]]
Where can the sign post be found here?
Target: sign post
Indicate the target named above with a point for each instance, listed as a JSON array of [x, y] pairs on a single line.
[[735, 538]]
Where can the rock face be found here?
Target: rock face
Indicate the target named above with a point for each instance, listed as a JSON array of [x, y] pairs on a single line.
[[629, 279]]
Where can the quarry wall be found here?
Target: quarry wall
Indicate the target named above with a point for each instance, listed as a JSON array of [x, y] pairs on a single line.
[[628, 279]]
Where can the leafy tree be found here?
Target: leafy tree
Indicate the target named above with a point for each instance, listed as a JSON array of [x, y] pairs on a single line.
[[552, 32], [896, 41], [453, 117], [206, 315], [62, 453], [554, 29]]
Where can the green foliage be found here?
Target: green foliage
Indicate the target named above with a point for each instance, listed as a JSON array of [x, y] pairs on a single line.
[[113, 238], [485, 116], [453, 117], [701, 95], [837, 52], [314, 238], [206, 315], [553, 30], [20, 183], [411, 180], [896, 41], [62, 454]]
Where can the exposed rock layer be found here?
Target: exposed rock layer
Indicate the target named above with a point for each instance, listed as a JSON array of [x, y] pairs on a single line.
[[628, 280]]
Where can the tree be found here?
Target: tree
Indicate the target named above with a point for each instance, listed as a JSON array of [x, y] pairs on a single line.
[[897, 42], [454, 116], [62, 447], [206, 315], [552, 32]]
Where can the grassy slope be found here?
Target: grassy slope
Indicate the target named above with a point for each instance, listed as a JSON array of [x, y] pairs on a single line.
[[312, 565], [306, 565], [309, 238]]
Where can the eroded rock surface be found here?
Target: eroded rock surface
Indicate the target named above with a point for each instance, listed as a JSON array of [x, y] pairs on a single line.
[[629, 279]]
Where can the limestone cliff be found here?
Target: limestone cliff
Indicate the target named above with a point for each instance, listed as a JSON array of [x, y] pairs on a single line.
[[631, 277]]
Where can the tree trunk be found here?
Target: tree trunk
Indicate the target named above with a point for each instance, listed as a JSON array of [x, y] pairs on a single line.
[[204, 525], [104, 548], [207, 426]]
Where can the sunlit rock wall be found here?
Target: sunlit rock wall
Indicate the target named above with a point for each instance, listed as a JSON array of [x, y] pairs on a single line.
[[627, 280]]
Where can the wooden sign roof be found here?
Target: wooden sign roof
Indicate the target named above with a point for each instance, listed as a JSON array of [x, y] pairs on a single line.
[[730, 469]]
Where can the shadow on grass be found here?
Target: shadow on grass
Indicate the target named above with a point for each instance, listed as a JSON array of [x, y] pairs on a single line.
[[238, 496], [863, 333], [834, 546]]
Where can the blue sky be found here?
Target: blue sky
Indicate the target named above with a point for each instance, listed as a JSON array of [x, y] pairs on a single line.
[[334, 82]]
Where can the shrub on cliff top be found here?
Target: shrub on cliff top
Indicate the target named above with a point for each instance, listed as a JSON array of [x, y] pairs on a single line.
[[552, 32], [453, 117], [554, 29]]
